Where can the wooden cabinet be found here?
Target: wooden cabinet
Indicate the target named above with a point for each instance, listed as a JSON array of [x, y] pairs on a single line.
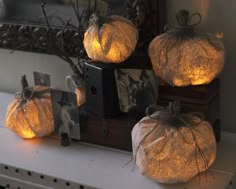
[[203, 98]]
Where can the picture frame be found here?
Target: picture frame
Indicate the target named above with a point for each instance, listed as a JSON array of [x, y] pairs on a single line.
[[136, 88]]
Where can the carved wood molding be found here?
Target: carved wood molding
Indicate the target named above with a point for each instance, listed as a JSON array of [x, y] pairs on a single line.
[[35, 39]]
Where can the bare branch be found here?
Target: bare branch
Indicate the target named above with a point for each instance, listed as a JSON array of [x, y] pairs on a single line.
[[44, 13], [58, 49]]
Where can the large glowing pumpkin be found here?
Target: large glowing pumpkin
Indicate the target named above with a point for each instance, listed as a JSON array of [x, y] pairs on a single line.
[[110, 39], [183, 56], [173, 148], [31, 116]]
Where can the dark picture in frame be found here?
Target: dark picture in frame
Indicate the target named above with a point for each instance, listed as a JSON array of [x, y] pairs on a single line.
[[137, 89]]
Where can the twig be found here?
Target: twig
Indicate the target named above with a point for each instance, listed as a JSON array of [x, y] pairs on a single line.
[[60, 51], [19, 47], [44, 13]]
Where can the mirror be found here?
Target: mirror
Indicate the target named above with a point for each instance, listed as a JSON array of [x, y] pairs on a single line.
[[23, 25], [29, 12]]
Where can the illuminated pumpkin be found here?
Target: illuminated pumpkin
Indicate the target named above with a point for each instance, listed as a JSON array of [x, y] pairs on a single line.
[[169, 151], [31, 117], [110, 39], [183, 56]]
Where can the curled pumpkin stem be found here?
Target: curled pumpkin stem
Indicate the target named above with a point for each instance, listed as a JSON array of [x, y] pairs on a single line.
[[28, 93]]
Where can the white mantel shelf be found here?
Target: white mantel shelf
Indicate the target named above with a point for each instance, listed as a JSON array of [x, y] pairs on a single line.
[[93, 166]]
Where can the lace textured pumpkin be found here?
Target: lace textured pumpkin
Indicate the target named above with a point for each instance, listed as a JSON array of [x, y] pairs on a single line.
[[110, 39], [173, 148], [30, 114], [183, 56]]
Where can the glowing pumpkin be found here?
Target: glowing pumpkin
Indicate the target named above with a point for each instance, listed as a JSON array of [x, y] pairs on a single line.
[[31, 117], [110, 39], [169, 150], [183, 56]]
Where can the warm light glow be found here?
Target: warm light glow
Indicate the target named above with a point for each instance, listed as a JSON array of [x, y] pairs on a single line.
[[81, 95], [172, 156], [33, 119], [194, 61], [113, 42], [26, 134], [220, 35]]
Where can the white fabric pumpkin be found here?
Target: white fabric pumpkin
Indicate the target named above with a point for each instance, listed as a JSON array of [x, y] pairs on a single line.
[[34, 117], [183, 56], [110, 39], [173, 155]]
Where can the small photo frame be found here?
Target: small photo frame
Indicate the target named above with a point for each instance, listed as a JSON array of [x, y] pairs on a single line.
[[137, 89], [42, 79], [61, 99]]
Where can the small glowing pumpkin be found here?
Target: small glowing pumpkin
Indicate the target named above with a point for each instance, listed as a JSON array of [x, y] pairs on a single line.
[[183, 56], [110, 39], [30, 114]]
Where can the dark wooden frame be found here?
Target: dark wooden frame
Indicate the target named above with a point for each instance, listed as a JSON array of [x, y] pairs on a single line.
[[34, 38]]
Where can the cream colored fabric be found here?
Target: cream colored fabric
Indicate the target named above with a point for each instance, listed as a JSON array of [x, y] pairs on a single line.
[[113, 42], [183, 61], [34, 118], [171, 155]]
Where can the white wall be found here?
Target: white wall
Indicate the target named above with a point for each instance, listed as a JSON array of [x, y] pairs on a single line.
[[13, 66], [218, 16]]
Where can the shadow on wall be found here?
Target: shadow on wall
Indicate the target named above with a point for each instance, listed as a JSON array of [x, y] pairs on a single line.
[[204, 6]]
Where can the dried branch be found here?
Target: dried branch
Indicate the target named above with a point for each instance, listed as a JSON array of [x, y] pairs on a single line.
[[44, 13], [60, 52]]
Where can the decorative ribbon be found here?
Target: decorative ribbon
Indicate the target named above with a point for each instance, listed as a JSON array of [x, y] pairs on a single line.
[[29, 93], [185, 29], [185, 21], [172, 117]]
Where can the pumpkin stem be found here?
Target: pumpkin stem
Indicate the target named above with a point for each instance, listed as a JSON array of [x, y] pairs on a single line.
[[97, 19], [187, 23], [184, 19], [24, 82], [174, 107]]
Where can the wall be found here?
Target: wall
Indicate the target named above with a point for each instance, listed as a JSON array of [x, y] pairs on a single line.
[[218, 16], [13, 66]]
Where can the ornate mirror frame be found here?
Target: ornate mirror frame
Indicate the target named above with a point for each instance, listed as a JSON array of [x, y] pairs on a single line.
[[149, 15]]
